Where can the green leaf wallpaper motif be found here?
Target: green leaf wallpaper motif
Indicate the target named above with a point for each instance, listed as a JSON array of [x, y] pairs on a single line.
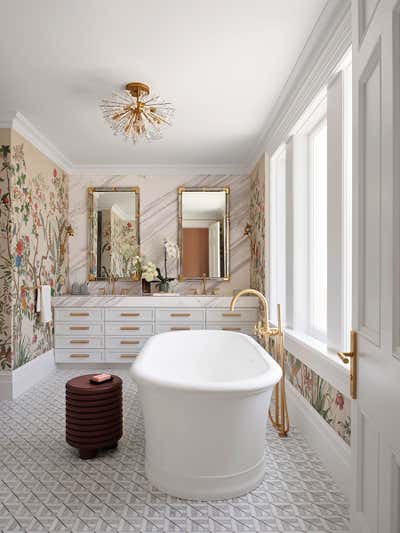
[[33, 220]]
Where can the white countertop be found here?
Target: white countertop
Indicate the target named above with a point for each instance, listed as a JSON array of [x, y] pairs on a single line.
[[152, 301]]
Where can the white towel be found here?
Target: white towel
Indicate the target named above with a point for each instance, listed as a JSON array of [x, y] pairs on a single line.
[[43, 304]]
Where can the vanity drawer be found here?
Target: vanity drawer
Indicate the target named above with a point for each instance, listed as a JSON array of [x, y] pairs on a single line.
[[180, 315], [79, 356], [162, 328], [126, 344], [78, 315], [124, 329], [63, 328], [247, 329], [129, 315], [239, 315], [119, 356], [78, 342]]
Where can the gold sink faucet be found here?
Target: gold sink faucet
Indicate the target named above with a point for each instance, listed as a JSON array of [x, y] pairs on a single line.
[[262, 328], [204, 284]]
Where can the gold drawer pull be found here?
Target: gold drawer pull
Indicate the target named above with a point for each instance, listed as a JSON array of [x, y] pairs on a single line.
[[231, 329], [232, 314], [129, 328], [79, 328], [129, 342], [79, 355], [80, 341], [129, 314], [79, 314], [180, 314], [179, 329], [127, 356]]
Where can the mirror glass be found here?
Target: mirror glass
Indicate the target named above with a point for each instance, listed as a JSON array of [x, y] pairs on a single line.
[[203, 234], [113, 232]]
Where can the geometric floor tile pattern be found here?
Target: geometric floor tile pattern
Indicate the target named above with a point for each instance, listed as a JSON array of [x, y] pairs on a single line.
[[44, 486]]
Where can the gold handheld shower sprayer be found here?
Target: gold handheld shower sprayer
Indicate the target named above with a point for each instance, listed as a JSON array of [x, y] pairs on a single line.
[[281, 420], [265, 332]]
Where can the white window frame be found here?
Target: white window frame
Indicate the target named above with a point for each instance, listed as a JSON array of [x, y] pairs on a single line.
[[277, 235], [319, 334], [333, 105]]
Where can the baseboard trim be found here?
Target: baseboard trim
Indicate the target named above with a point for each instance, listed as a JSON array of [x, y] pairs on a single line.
[[331, 448], [6, 385], [24, 377]]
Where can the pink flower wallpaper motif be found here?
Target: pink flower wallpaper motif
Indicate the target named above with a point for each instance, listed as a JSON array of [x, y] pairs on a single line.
[[33, 222], [330, 404]]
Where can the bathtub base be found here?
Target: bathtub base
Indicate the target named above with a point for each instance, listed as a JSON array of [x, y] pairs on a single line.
[[206, 487]]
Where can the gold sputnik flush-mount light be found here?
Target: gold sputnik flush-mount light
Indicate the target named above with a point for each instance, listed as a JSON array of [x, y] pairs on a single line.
[[134, 113]]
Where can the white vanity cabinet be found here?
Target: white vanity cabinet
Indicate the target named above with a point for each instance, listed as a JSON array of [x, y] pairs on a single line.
[[114, 329]]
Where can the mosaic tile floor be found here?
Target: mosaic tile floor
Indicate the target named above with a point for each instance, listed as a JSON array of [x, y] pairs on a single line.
[[44, 486]]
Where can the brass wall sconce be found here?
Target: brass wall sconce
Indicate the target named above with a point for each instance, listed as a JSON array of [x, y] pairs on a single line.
[[248, 232], [69, 232]]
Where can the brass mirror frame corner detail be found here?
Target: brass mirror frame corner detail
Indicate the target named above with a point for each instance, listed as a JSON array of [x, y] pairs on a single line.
[[91, 190], [227, 191]]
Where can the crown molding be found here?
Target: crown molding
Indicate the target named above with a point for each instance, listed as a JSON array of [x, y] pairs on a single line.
[[16, 121], [326, 46], [189, 170]]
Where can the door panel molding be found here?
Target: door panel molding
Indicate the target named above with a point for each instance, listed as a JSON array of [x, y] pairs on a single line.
[[366, 12], [370, 193]]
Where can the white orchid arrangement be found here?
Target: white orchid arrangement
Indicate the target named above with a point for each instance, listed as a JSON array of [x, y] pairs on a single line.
[[149, 271], [171, 249]]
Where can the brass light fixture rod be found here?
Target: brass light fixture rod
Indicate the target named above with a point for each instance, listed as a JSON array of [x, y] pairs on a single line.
[[137, 89]]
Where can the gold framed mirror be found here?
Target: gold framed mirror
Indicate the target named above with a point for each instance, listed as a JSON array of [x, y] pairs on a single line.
[[114, 233], [203, 233]]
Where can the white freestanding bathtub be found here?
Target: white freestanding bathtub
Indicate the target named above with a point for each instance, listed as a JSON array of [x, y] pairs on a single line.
[[205, 396]]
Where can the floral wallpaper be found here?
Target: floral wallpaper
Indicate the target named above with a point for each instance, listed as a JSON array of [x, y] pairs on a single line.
[[257, 233], [118, 244], [333, 407], [33, 222], [5, 255]]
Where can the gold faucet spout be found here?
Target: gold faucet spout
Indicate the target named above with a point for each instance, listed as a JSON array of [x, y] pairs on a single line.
[[262, 328]]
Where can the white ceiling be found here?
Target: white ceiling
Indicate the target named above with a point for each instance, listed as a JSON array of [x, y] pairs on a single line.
[[222, 63]]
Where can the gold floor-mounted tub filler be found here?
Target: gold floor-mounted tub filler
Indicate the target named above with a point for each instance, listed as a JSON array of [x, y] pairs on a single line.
[[264, 332]]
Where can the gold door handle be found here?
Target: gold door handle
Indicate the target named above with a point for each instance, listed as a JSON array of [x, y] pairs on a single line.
[[179, 329], [129, 342], [351, 357], [79, 314], [80, 341], [129, 328], [127, 355], [79, 355], [232, 314], [129, 314], [180, 314], [79, 328]]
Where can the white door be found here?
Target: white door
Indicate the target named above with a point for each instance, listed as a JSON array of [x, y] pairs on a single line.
[[376, 411]]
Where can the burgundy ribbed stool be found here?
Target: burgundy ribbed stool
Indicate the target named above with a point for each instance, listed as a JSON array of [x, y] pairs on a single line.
[[93, 414]]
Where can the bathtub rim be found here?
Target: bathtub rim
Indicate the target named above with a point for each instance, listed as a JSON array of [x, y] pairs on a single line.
[[260, 382]]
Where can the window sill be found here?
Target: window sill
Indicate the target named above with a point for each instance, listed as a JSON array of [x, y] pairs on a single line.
[[320, 359]]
